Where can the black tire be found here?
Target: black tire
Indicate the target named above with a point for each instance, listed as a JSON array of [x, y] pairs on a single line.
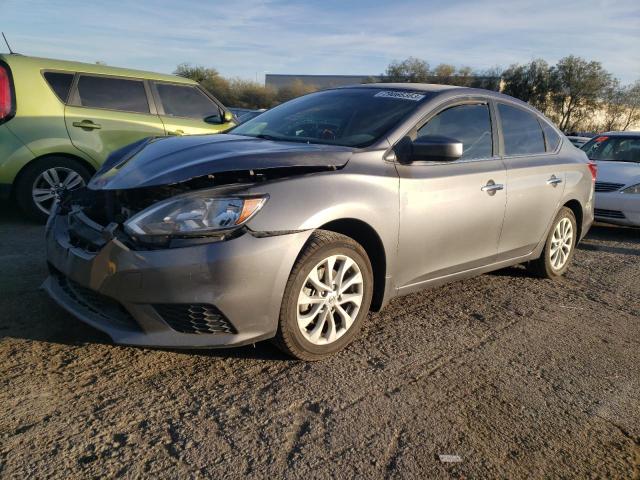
[[24, 184], [321, 244], [542, 266]]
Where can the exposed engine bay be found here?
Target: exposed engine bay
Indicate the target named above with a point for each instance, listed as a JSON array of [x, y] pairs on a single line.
[[96, 216]]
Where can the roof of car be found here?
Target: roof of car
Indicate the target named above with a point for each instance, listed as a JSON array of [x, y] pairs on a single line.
[[446, 89], [16, 60], [620, 134], [420, 87]]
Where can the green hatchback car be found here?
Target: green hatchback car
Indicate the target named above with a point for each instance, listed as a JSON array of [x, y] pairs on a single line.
[[60, 120]]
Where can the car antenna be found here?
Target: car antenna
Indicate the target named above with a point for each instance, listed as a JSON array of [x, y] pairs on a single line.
[[7, 42]]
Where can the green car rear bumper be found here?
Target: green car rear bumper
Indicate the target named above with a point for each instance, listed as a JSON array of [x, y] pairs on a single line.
[[13, 156]]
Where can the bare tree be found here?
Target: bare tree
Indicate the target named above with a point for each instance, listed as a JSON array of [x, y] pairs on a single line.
[[296, 89], [632, 102], [531, 82], [578, 86], [210, 79], [443, 74], [490, 79], [409, 70]]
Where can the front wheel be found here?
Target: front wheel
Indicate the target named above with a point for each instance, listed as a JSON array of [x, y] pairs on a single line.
[[559, 247], [326, 298]]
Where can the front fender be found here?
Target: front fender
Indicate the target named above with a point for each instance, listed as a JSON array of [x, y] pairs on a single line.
[[366, 190]]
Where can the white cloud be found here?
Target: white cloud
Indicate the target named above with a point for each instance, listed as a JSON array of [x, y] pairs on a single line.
[[245, 37]]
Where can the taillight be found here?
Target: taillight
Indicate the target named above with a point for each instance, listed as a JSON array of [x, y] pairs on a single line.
[[593, 167], [6, 104]]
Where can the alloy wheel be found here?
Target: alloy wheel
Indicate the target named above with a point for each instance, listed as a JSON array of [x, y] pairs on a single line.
[[561, 243], [330, 299], [49, 186]]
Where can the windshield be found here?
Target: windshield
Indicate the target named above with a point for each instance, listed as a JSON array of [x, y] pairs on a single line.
[[613, 149], [354, 117]]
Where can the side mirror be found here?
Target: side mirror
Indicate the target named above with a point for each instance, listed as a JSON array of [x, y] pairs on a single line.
[[435, 149], [213, 119], [217, 119]]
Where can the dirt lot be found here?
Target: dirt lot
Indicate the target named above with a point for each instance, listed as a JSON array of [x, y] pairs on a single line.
[[519, 377]]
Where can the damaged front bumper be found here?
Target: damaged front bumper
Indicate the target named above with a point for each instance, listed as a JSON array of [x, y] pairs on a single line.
[[225, 293]]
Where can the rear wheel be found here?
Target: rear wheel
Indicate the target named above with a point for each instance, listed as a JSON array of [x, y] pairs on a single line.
[[558, 250], [326, 298], [44, 181]]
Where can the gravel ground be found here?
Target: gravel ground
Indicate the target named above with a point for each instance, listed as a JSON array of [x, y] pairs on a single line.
[[519, 377]]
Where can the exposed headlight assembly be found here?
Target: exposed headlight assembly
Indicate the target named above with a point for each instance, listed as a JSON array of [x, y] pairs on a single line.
[[194, 215], [632, 189]]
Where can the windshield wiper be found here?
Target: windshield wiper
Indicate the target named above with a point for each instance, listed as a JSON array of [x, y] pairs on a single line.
[[264, 136]]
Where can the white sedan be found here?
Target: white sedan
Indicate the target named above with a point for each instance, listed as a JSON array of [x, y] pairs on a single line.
[[618, 182]]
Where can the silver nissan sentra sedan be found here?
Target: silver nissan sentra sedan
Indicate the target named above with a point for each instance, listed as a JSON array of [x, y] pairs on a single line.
[[298, 222]]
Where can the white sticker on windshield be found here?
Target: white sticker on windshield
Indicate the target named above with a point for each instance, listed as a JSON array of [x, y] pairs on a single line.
[[415, 97]]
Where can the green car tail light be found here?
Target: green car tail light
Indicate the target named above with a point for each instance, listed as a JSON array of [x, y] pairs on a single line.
[[7, 108]]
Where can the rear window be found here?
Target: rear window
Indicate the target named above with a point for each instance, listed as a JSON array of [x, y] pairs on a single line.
[[521, 131], [613, 149], [113, 94], [60, 83]]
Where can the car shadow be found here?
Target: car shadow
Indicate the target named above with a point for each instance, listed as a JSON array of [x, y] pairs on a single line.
[[606, 238], [596, 240], [11, 214], [517, 271], [29, 314], [40, 319]]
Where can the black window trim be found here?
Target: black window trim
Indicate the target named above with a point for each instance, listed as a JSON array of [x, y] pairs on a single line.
[[541, 121], [74, 97], [64, 101], [160, 107], [537, 116], [446, 105]]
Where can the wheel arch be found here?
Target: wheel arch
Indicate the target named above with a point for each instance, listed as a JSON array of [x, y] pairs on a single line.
[[28, 165], [365, 235], [576, 207]]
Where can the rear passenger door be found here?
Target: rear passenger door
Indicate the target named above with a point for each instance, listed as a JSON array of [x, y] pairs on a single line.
[[535, 179], [183, 109], [105, 113]]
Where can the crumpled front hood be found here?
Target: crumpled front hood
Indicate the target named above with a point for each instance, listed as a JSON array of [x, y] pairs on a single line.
[[170, 160], [627, 173]]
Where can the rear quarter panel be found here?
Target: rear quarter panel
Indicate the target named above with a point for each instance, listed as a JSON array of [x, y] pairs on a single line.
[[39, 121], [13, 154], [579, 184]]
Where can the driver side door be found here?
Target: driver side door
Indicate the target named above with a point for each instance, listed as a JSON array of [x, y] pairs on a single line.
[[451, 212]]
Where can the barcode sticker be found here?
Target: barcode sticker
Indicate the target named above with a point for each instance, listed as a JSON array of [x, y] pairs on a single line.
[[413, 96]]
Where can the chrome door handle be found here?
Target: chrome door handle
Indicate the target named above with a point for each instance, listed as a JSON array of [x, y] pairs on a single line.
[[554, 180], [491, 187], [175, 133], [87, 124]]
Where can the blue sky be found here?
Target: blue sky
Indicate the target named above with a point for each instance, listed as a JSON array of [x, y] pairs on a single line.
[[247, 38]]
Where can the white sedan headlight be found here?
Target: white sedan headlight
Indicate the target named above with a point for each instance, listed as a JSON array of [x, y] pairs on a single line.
[[632, 189], [194, 214]]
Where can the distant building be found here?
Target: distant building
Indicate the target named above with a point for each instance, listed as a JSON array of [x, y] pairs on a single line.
[[320, 81]]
